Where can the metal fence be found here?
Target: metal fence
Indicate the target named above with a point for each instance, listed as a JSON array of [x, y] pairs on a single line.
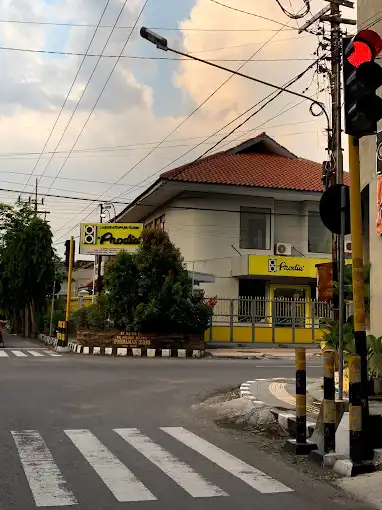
[[280, 320], [279, 312]]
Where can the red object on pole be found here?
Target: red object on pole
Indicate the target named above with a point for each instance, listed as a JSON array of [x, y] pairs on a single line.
[[364, 47]]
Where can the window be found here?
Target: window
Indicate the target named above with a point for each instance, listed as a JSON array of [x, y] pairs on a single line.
[[157, 223], [319, 237], [255, 228]]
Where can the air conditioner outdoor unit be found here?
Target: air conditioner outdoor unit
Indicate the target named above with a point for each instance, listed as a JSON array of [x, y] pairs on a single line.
[[348, 247], [283, 249]]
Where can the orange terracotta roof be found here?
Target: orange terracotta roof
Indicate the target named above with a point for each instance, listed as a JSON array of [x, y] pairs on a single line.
[[253, 169]]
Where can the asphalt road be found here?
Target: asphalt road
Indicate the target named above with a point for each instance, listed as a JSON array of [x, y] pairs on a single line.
[[99, 433]]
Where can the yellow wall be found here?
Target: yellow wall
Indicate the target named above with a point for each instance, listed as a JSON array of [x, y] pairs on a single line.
[[243, 334], [86, 301]]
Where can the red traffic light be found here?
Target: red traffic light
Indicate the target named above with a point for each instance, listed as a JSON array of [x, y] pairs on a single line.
[[364, 47]]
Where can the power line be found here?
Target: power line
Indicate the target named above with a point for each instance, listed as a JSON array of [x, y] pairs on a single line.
[[175, 29], [257, 111], [68, 94], [292, 15], [250, 13], [9, 155], [272, 94], [84, 90], [103, 88], [147, 57], [189, 116]]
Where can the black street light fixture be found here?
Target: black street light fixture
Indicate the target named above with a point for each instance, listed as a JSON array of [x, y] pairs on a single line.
[[161, 43]]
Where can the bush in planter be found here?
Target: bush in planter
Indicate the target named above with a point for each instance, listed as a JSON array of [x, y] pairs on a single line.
[[93, 317], [151, 291]]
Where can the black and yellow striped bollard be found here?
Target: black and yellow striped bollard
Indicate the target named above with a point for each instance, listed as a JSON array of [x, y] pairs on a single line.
[[329, 403], [62, 334], [301, 445]]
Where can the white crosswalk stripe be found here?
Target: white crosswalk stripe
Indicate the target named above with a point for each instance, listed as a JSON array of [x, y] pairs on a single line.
[[49, 487], [120, 480], [45, 479], [250, 475], [26, 353], [182, 474], [19, 354]]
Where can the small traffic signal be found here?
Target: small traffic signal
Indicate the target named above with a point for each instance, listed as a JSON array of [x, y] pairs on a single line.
[[67, 252], [362, 78]]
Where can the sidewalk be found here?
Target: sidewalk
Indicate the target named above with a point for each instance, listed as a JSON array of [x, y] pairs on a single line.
[[262, 352]]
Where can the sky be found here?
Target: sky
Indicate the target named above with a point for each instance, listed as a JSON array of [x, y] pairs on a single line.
[[105, 127]]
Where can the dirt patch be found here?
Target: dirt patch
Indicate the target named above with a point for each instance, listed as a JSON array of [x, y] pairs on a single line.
[[259, 428]]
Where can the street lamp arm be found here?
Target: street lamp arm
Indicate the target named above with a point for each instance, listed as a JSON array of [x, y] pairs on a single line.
[[257, 80], [161, 43]]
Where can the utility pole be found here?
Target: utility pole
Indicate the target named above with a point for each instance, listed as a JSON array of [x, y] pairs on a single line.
[[34, 201], [332, 14], [99, 286]]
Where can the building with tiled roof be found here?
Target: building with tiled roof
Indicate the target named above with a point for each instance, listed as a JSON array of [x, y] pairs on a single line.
[[248, 215]]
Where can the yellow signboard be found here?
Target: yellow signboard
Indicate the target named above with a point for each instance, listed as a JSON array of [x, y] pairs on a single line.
[[300, 267], [109, 238]]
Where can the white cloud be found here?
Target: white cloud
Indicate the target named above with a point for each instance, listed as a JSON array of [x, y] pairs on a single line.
[[33, 88]]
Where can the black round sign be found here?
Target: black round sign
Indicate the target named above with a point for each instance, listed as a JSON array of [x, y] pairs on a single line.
[[330, 209]]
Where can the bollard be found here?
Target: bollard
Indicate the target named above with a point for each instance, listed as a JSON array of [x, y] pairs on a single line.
[[62, 334], [329, 403], [301, 445], [355, 410], [300, 396]]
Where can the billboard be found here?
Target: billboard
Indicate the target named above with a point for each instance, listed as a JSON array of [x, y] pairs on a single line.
[[109, 238]]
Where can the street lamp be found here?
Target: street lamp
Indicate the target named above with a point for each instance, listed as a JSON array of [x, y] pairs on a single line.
[[162, 44], [108, 206]]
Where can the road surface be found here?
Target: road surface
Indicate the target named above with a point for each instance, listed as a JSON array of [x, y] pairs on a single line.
[[98, 433]]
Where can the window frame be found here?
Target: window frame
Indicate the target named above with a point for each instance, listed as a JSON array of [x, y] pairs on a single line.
[[267, 212]]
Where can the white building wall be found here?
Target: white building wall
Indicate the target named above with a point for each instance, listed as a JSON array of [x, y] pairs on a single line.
[[208, 239], [368, 11]]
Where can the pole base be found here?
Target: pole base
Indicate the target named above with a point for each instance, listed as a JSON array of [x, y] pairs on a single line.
[[292, 446], [60, 348], [348, 468]]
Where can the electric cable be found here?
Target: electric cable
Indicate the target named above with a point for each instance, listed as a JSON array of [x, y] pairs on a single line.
[[69, 92], [84, 90]]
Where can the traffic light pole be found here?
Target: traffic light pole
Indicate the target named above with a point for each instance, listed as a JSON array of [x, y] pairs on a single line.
[[99, 286], [338, 242], [358, 275]]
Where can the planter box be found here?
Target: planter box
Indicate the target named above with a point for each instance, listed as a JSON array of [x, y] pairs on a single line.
[[115, 338], [92, 338]]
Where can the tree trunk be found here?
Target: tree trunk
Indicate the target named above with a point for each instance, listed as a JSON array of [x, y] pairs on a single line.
[[27, 322], [33, 319], [23, 322]]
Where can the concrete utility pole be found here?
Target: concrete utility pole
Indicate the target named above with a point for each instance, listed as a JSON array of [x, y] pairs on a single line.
[[335, 149], [99, 286]]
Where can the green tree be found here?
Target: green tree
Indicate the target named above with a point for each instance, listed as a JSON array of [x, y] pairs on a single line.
[[27, 266], [151, 291], [120, 280]]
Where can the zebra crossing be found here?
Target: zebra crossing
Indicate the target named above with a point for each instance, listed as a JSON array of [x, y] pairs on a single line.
[[49, 487], [26, 353]]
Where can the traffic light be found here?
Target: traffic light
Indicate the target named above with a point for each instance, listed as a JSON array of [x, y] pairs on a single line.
[[362, 78], [67, 252]]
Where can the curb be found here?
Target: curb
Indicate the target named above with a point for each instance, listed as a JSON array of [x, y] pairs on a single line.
[[48, 340], [286, 420], [135, 352]]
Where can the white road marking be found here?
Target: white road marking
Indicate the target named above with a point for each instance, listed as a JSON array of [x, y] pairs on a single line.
[[45, 480], [115, 475], [19, 354], [181, 473], [248, 474], [52, 353], [3, 354], [35, 353]]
